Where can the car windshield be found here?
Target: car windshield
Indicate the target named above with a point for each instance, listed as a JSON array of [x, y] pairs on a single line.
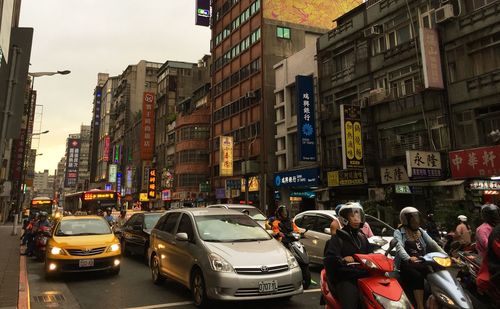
[[151, 220], [254, 213], [80, 227], [230, 228]]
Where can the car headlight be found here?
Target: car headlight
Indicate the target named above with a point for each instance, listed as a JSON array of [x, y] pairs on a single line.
[[219, 264], [292, 261], [402, 303], [445, 262], [369, 264], [57, 251], [114, 248]]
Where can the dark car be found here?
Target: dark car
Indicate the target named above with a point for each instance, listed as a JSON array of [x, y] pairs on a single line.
[[134, 234]]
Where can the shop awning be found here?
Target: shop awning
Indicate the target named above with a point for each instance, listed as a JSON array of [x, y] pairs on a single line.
[[438, 183]]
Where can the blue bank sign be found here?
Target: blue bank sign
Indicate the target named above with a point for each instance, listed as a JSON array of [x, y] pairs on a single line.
[[300, 178], [306, 123]]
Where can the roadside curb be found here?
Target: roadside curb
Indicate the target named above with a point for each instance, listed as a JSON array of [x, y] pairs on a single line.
[[23, 301]]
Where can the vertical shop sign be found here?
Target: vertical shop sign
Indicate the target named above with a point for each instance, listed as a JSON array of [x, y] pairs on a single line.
[[147, 127], [306, 118], [152, 183], [226, 156], [352, 142]]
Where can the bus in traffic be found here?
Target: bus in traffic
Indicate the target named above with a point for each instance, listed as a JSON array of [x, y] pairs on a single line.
[[45, 204], [90, 201]]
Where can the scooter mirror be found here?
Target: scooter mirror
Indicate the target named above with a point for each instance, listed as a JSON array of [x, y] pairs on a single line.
[[392, 244], [327, 230]]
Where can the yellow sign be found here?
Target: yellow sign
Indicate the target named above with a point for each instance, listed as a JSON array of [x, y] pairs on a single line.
[[315, 13], [143, 197], [226, 156], [98, 196], [333, 178], [253, 184], [346, 178]]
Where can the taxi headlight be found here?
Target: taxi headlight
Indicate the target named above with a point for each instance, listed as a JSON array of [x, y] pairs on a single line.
[[56, 251], [445, 262], [114, 248]]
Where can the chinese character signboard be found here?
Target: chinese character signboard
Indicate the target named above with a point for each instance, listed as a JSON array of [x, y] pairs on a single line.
[[475, 163], [203, 13], [152, 183], [226, 156], [423, 164], [72, 162], [299, 178], [113, 168], [119, 177], [147, 127], [105, 156], [253, 184], [433, 77], [485, 185], [306, 118], [346, 178], [393, 174], [352, 143]]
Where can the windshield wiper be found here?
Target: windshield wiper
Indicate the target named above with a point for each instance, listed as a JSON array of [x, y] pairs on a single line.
[[84, 234], [247, 239]]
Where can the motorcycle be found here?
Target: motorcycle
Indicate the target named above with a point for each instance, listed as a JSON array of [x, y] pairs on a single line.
[[41, 238], [446, 291], [379, 290], [292, 242]]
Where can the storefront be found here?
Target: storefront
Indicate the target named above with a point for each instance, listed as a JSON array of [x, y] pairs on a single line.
[[347, 185], [295, 189]]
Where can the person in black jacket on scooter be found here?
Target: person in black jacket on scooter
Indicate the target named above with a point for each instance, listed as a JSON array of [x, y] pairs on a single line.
[[340, 251]]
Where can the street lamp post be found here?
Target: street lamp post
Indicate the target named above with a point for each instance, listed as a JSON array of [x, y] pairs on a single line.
[[19, 189]]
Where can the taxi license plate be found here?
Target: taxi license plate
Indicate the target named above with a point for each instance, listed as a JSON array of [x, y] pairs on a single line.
[[268, 286], [86, 263]]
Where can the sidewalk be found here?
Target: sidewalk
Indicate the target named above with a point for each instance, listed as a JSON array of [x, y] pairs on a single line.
[[9, 267]]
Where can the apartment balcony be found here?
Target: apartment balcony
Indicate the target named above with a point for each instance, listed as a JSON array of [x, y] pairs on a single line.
[[483, 85]]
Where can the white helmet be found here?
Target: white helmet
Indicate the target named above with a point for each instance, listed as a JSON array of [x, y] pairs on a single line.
[[347, 209], [462, 218], [407, 213]]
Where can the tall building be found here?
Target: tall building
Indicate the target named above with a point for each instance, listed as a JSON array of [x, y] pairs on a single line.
[[76, 170], [132, 128], [43, 184], [248, 39], [59, 180]]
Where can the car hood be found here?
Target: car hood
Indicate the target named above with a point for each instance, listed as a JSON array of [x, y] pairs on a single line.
[[90, 240], [247, 254]]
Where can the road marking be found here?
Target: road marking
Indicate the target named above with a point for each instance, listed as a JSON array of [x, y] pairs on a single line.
[[167, 305], [312, 291]]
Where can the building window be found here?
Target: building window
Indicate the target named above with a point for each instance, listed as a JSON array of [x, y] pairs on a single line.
[[191, 180], [281, 162], [280, 143], [293, 149], [194, 132], [378, 45], [283, 32], [280, 113], [466, 128], [193, 156]]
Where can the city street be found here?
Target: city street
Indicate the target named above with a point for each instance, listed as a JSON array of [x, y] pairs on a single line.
[[133, 288]]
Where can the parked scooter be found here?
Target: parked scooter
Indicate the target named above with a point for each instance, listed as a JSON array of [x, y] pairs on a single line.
[[379, 290], [41, 238], [292, 242], [446, 290]]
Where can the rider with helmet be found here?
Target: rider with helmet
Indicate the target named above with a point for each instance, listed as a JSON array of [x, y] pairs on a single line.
[[282, 224], [491, 217], [108, 217], [413, 242], [463, 231], [340, 250]]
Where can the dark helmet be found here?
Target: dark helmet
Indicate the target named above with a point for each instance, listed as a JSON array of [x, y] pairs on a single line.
[[43, 214], [109, 209], [347, 209], [490, 214], [407, 213], [279, 210]]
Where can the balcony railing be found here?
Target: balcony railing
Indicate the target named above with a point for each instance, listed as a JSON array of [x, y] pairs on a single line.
[[483, 80]]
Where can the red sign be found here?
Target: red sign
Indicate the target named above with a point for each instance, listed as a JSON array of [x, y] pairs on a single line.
[[147, 128], [481, 162], [106, 149]]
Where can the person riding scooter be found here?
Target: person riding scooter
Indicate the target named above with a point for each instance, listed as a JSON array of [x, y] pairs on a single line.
[[490, 214], [413, 243], [282, 224], [342, 246]]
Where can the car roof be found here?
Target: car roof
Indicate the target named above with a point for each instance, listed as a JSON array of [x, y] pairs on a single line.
[[196, 212], [235, 206], [330, 213], [81, 217]]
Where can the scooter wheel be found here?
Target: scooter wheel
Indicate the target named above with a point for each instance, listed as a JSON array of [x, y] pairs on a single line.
[[306, 278]]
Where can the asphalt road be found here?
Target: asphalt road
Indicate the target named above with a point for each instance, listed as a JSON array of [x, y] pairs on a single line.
[[133, 288]]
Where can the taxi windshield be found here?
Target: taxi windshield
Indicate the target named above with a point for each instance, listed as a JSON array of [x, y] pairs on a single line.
[[80, 227]]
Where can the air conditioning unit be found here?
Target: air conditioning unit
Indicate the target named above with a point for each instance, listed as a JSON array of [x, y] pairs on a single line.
[[377, 95], [444, 13], [250, 95], [373, 30]]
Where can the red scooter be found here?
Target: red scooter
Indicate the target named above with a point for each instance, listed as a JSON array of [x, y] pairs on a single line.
[[41, 238], [379, 290]]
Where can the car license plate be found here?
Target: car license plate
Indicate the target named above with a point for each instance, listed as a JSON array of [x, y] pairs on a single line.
[[86, 263], [268, 286]]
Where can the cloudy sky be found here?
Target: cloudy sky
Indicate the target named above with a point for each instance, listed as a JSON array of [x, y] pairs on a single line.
[[91, 36]]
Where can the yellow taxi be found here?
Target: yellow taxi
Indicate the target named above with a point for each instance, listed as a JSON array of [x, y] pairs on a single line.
[[82, 244]]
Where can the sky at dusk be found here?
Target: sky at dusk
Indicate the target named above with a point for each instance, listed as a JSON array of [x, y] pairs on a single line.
[[92, 36]]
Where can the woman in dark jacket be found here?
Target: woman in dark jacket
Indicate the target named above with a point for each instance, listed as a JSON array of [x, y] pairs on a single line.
[[340, 251]]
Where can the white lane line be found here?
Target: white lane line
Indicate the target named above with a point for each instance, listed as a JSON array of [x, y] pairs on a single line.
[[167, 305], [312, 291]]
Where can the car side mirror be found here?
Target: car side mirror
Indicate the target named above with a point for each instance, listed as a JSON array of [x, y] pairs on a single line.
[[383, 231], [181, 237], [137, 227], [327, 230]]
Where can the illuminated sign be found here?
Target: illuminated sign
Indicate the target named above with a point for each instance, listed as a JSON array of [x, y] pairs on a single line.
[[352, 144], [203, 13], [346, 178], [143, 197], [147, 126], [113, 168], [226, 156], [253, 184], [91, 196], [152, 183], [72, 162], [166, 195], [41, 202], [106, 149]]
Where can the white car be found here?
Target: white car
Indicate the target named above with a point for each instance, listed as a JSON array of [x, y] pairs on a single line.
[[317, 226], [252, 211]]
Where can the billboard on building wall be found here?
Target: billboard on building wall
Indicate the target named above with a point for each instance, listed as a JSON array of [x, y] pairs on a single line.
[[431, 58], [147, 127], [202, 14], [315, 13], [226, 156], [306, 118], [107, 141], [72, 162], [352, 141]]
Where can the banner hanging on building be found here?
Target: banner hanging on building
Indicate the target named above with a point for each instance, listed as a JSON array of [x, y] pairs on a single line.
[[483, 162], [105, 156], [352, 141], [113, 169], [72, 162], [152, 183], [423, 164], [431, 59], [306, 118], [203, 13], [147, 127], [226, 156]]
